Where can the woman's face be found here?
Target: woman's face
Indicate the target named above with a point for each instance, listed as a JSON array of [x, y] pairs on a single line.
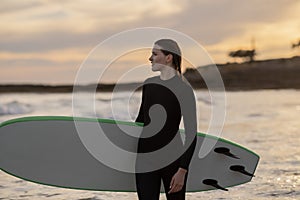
[[158, 59]]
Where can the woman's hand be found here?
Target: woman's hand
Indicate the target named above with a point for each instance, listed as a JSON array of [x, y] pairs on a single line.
[[177, 181]]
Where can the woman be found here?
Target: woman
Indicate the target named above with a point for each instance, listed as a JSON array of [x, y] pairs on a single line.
[[176, 97]]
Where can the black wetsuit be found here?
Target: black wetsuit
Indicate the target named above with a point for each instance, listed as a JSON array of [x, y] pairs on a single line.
[[164, 102]]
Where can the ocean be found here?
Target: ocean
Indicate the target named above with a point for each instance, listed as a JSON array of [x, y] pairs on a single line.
[[265, 121]]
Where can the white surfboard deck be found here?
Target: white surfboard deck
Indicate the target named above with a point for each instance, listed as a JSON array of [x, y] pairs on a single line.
[[47, 150]]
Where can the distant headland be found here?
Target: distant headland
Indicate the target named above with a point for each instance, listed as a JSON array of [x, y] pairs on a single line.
[[281, 73]]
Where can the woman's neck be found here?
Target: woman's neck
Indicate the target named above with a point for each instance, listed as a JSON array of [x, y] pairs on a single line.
[[167, 73]]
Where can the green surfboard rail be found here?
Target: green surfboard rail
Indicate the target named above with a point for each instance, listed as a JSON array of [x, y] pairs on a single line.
[[110, 121]]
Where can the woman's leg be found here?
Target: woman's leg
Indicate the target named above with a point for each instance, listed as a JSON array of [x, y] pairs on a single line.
[[148, 185]]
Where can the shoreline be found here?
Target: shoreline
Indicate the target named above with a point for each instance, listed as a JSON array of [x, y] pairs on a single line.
[[258, 75], [40, 88]]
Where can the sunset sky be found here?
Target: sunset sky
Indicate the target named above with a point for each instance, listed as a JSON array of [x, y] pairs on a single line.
[[47, 41]]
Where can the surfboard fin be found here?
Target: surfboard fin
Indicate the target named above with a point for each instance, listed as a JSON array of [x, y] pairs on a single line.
[[225, 151], [241, 169], [213, 183]]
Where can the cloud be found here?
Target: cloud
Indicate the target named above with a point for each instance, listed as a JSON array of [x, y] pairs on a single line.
[[211, 23], [52, 40], [59, 34], [12, 6], [70, 24], [67, 24], [58, 57]]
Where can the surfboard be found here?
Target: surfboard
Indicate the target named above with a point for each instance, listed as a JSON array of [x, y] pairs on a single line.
[[48, 150]]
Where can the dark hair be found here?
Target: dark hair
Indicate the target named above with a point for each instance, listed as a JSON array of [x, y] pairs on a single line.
[[169, 46]]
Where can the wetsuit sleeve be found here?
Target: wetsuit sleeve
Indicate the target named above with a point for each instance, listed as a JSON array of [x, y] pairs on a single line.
[[140, 117], [188, 105]]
